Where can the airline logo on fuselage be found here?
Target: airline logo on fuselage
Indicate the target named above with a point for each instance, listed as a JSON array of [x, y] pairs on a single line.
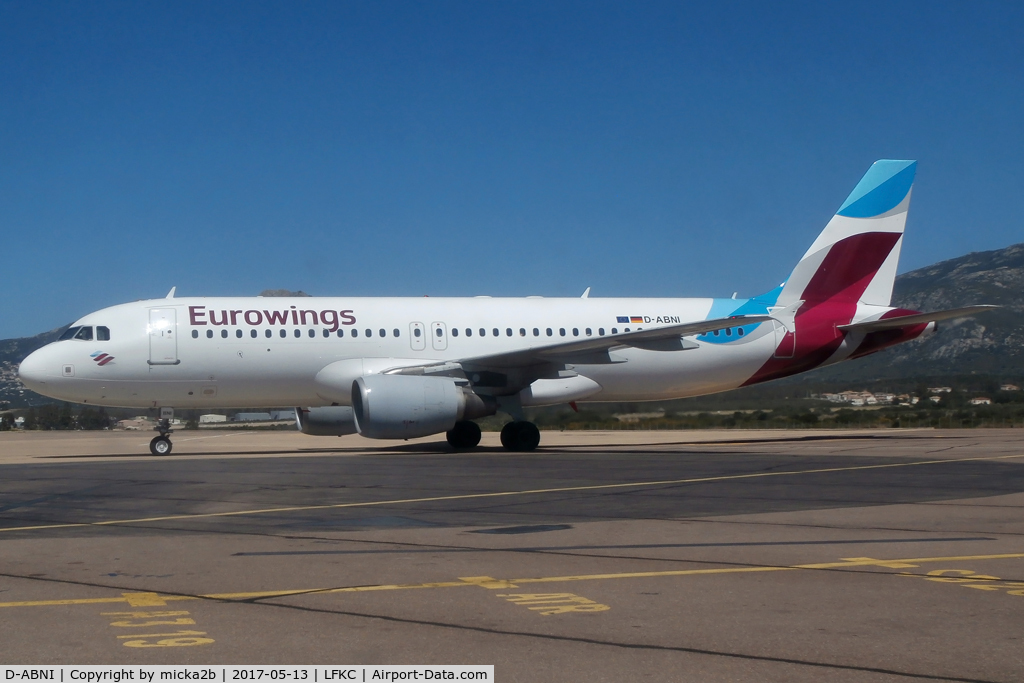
[[647, 319], [331, 319], [101, 358]]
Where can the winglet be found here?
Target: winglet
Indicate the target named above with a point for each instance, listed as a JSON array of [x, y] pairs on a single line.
[[586, 293], [170, 294]]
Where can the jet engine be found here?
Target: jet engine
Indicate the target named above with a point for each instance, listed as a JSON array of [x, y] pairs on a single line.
[[409, 406], [325, 421]]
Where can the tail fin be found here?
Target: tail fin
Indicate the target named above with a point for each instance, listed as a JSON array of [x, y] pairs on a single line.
[[854, 258]]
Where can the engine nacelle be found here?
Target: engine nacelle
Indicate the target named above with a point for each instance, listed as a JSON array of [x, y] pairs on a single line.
[[326, 421], [410, 406]]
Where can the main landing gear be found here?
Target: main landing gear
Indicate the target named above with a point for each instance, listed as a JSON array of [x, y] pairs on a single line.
[[465, 434], [161, 445], [520, 436], [515, 436]]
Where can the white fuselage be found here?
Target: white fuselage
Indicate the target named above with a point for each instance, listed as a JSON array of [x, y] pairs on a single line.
[[242, 352]]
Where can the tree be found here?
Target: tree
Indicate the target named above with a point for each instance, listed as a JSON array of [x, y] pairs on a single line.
[[90, 418], [65, 418], [49, 417]]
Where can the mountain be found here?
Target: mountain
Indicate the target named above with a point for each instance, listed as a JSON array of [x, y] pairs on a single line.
[[990, 344], [12, 352]]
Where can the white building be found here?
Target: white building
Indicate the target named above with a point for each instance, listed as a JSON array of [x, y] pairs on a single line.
[[207, 419]]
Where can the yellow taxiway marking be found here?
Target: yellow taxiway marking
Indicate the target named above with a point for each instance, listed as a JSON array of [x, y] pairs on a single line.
[[500, 494], [156, 600]]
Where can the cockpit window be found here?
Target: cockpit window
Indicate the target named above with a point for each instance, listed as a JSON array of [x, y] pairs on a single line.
[[102, 333], [84, 334], [69, 333]]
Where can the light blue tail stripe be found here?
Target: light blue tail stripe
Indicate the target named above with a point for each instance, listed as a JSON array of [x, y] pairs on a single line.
[[881, 189]]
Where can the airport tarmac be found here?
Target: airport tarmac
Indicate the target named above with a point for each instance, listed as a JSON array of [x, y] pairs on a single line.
[[603, 556]]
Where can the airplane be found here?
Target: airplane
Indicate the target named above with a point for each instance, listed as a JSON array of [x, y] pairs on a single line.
[[401, 368]]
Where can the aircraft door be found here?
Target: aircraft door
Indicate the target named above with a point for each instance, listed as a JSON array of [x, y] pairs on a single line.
[[439, 336], [417, 336], [163, 342]]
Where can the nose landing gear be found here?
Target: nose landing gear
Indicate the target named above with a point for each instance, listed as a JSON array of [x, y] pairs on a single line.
[[161, 445]]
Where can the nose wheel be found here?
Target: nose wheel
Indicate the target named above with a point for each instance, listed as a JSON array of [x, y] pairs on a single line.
[[161, 445]]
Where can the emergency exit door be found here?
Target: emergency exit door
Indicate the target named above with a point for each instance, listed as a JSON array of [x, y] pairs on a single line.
[[163, 332]]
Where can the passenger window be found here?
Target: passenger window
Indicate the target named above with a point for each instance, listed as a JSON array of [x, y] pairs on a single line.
[[396, 332], [522, 331], [268, 333], [355, 332], [469, 332], [382, 332], [495, 331], [69, 333], [625, 329], [327, 333], [341, 332], [224, 334], [252, 333], [600, 331], [102, 333], [589, 333], [483, 332], [195, 334], [536, 332], [369, 333], [575, 332], [716, 332], [238, 333], [455, 332], [209, 334], [416, 332], [84, 334], [312, 333], [440, 332], [739, 331], [615, 330], [549, 331], [284, 333], [298, 333], [728, 332], [508, 331]]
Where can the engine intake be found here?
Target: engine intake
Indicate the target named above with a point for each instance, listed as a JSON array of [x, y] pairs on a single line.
[[410, 406]]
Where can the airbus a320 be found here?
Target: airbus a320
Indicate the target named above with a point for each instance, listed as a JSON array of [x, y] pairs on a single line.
[[400, 368]]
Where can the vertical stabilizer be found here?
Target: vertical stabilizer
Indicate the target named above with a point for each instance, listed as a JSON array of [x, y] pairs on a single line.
[[855, 257]]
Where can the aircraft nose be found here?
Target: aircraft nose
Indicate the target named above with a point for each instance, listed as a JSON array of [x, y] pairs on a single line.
[[35, 370]]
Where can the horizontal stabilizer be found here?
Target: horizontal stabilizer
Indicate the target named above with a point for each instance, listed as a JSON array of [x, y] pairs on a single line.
[[916, 319]]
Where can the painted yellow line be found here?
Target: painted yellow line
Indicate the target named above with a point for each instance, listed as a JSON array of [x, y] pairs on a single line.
[[488, 582], [865, 562], [500, 494]]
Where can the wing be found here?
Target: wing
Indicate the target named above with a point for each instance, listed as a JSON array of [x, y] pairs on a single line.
[[916, 319], [532, 362]]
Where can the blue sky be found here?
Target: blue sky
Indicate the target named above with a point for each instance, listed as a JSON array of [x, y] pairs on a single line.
[[359, 149]]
